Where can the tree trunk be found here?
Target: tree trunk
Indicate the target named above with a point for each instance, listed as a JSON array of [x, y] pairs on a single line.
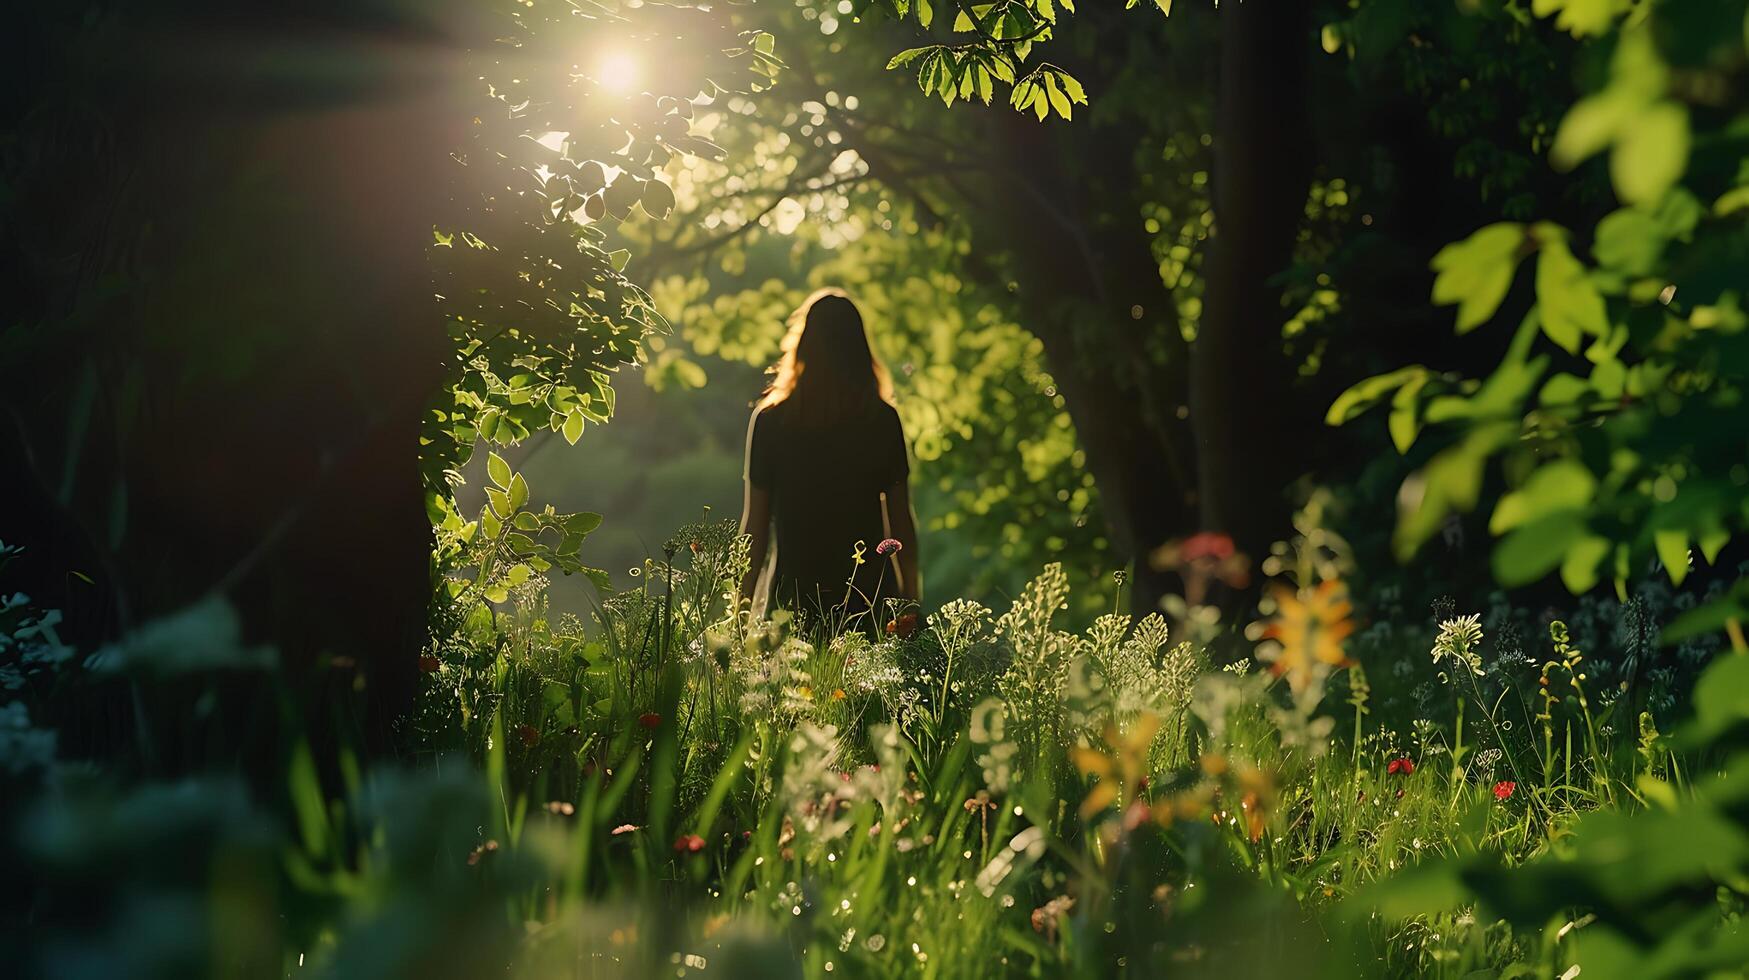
[[1093, 295], [233, 259], [1239, 378]]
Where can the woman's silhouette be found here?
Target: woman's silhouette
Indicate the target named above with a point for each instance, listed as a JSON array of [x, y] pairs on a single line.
[[826, 465]]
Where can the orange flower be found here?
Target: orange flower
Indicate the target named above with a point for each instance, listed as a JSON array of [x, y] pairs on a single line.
[[1122, 772], [1257, 799], [1309, 627]]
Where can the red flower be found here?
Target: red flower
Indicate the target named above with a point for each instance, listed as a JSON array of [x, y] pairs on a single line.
[[429, 664], [904, 626], [529, 734], [1404, 766], [688, 844], [1208, 544], [650, 719], [1504, 789], [889, 546]]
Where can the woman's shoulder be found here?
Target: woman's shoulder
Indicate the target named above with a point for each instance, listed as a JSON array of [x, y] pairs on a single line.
[[773, 412]]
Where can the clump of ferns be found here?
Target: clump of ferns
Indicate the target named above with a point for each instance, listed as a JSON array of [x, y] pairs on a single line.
[[1037, 674]]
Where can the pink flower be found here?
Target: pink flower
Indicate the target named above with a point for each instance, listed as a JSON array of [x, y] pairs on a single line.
[[889, 546], [688, 844], [624, 828], [1504, 788]]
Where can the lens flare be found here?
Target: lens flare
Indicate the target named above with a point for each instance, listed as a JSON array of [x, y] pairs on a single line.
[[618, 72]]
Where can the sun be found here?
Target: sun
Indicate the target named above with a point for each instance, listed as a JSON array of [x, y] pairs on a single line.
[[617, 71]]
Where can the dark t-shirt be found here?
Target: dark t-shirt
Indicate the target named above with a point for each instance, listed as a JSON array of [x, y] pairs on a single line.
[[825, 484]]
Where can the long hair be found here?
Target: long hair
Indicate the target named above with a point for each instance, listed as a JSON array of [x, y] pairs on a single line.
[[827, 370]]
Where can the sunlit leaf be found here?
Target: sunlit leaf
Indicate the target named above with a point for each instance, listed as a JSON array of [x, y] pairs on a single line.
[[1569, 302], [1672, 549], [1558, 486], [1476, 272], [1650, 153]]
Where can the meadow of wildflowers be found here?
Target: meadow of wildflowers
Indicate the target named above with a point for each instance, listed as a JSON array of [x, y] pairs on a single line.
[[679, 788]]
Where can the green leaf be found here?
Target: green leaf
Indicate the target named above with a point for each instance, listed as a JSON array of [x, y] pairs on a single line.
[[1627, 241], [658, 199], [1579, 567], [500, 503], [1672, 549], [581, 523], [1711, 618], [308, 801], [1732, 201], [1711, 542], [573, 428], [1651, 152], [1404, 421], [518, 492], [1059, 101], [1587, 128], [1366, 394], [498, 470], [1452, 481], [1072, 88], [1569, 302], [1476, 272], [688, 373], [1609, 377], [1564, 389], [1563, 485], [909, 55], [1581, 17], [1534, 549], [1721, 696]]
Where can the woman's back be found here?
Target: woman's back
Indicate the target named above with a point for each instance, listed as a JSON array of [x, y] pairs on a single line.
[[825, 483], [826, 465]]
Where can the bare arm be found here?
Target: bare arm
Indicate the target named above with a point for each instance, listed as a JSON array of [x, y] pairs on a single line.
[[902, 525], [755, 523]]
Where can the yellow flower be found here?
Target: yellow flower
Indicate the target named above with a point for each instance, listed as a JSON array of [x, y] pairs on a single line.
[[1309, 627], [1123, 771]]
